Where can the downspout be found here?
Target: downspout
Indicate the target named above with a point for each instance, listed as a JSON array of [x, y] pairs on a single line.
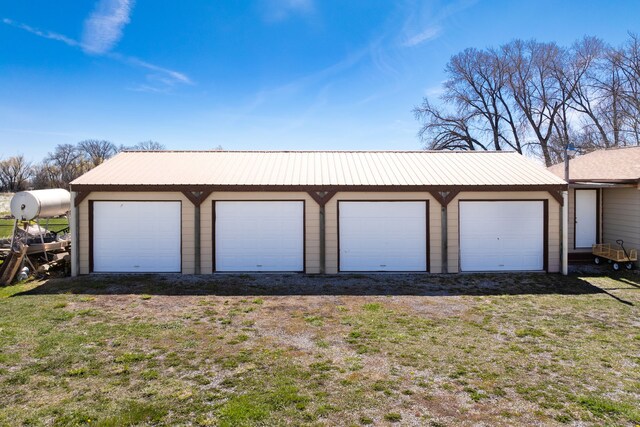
[[75, 241], [565, 232]]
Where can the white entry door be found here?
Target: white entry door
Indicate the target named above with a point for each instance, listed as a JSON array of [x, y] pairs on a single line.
[[501, 236], [259, 236], [383, 236], [586, 218], [136, 237]]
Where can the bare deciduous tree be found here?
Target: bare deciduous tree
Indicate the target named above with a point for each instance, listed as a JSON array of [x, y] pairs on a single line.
[[444, 131], [97, 151], [535, 73], [146, 146], [15, 173], [541, 93], [477, 86], [63, 165]]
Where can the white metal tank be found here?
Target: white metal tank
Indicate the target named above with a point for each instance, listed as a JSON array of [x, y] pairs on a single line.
[[27, 205]]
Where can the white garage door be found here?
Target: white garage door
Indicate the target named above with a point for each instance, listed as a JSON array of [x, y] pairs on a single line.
[[259, 236], [383, 236], [497, 236], [136, 237]]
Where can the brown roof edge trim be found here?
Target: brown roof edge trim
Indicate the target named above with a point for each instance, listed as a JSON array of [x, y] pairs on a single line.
[[326, 188]]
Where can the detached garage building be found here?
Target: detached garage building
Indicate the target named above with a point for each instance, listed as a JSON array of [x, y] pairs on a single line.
[[317, 212]]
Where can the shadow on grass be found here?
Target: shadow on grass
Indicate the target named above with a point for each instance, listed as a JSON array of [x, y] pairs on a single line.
[[347, 284]]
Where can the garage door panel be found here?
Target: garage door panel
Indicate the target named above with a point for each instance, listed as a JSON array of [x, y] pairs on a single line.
[[501, 235], [259, 236], [382, 236], [136, 236]]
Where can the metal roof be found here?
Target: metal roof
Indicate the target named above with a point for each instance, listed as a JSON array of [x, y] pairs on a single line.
[[611, 165], [318, 168]]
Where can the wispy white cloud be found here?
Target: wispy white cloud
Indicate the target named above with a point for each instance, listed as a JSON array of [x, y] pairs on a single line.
[[172, 75], [426, 21], [103, 28], [430, 33], [45, 34], [280, 10], [296, 85], [160, 79]]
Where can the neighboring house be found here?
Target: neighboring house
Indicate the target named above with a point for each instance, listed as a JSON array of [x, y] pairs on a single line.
[[317, 212], [604, 199]]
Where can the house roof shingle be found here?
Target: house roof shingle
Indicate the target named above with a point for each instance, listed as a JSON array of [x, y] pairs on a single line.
[[317, 168], [611, 165]]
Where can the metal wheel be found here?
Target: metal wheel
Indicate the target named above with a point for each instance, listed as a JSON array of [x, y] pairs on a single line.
[[597, 260], [616, 266], [629, 266]]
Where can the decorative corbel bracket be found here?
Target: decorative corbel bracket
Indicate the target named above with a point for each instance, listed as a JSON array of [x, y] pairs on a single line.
[[444, 197], [197, 197], [80, 196], [558, 196], [322, 197]]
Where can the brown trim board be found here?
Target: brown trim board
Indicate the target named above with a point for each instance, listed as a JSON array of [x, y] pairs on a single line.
[[545, 230], [427, 237], [304, 229], [91, 224]]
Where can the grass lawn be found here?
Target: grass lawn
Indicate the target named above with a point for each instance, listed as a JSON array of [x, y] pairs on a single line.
[[347, 350], [55, 224]]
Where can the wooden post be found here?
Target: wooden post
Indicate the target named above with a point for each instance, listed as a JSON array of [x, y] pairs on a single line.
[[322, 241], [445, 243], [196, 215]]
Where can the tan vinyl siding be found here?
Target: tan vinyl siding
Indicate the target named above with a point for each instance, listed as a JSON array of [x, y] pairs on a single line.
[[312, 225], [453, 252], [621, 216], [188, 248], [331, 225]]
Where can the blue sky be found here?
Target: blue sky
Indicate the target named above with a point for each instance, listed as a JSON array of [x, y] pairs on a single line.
[[259, 75]]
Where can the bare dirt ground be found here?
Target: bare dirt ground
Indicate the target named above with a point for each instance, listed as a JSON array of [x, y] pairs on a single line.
[[387, 349]]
